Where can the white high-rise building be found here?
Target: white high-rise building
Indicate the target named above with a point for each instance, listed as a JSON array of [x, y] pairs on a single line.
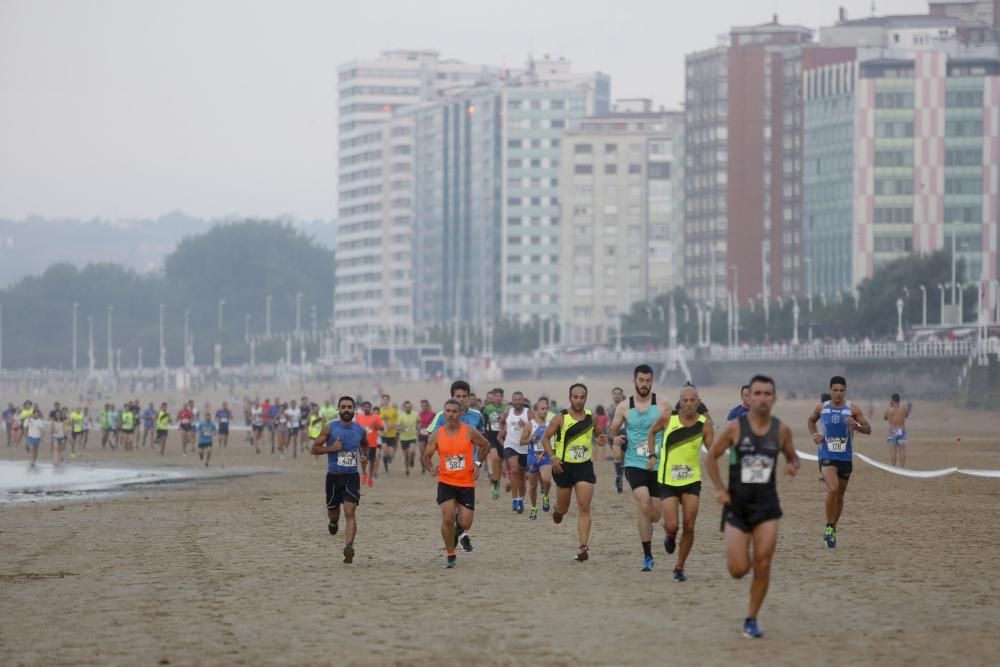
[[374, 273]]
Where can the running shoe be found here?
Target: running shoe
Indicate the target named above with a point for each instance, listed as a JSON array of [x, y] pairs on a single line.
[[582, 554], [830, 535], [465, 542], [750, 629], [618, 484], [513, 505], [545, 503], [364, 479], [533, 513], [679, 574], [333, 527], [495, 490], [647, 564], [520, 506], [556, 517], [451, 562], [349, 553], [371, 482], [670, 543]]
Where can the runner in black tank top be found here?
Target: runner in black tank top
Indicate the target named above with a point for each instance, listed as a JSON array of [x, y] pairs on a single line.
[[751, 507]]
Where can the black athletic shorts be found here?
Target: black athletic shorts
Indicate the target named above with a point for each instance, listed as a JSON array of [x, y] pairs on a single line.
[[224, 429], [161, 433], [258, 428], [464, 495], [641, 477], [495, 444], [844, 468], [573, 473], [390, 441], [342, 488], [667, 491], [746, 516], [510, 452], [405, 444]]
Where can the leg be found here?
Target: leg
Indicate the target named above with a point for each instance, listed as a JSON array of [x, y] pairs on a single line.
[[493, 461], [893, 452], [546, 473], [689, 505], [902, 456], [533, 489], [351, 515], [765, 538], [671, 522], [841, 491], [642, 505], [562, 499], [516, 477], [584, 493], [448, 514], [737, 551], [208, 455], [832, 490], [465, 518]]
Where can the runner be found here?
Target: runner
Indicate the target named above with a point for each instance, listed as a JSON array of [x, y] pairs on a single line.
[[88, 423], [492, 412], [572, 461], [148, 425], [315, 427], [304, 411], [390, 439], [342, 441], [223, 416], [280, 425], [8, 419], [114, 425], [461, 450], [408, 435], [640, 414], [102, 419], [257, 424], [896, 415], [679, 472], [59, 420], [840, 419], [294, 415], [373, 425], [76, 430], [424, 419], [618, 439], [162, 427], [515, 429], [751, 508], [539, 463], [744, 406], [327, 412], [34, 426], [206, 430], [273, 413], [185, 418], [127, 427]]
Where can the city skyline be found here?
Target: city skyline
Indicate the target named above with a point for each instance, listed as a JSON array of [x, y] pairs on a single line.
[[132, 109]]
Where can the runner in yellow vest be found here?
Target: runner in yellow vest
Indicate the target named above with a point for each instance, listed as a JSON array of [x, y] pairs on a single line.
[[76, 429]]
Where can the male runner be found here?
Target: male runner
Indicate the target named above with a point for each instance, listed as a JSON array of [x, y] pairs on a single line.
[[185, 418], [539, 463], [257, 424], [618, 438], [514, 432], [461, 450], [492, 412], [679, 472], [327, 412], [751, 507], [896, 416], [162, 427], [408, 435], [128, 427], [424, 419], [294, 415], [341, 440], [76, 430], [315, 426], [223, 416], [572, 461], [102, 418], [638, 415], [373, 425], [744, 406], [840, 418], [206, 431], [148, 425], [390, 439]]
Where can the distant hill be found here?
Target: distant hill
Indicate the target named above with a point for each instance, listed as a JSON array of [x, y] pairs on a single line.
[[28, 247]]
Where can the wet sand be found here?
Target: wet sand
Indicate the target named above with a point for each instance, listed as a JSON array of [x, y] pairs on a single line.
[[243, 571]]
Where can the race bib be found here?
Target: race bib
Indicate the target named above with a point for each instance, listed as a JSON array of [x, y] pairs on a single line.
[[223, 420], [756, 469], [494, 422], [347, 459], [679, 473], [454, 463], [836, 445], [642, 449], [578, 453], [185, 421]]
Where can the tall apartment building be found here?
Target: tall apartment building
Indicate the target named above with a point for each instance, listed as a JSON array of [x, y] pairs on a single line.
[[743, 170], [970, 11], [457, 205], [902, 144], [374, 273], [539, 105], [617, 234]]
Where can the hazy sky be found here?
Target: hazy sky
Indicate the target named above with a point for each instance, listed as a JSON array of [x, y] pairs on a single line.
[[131, 108]]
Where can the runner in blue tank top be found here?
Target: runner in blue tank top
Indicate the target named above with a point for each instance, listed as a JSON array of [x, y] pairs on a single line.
[[638, 414], [839, 419], [539, 463]]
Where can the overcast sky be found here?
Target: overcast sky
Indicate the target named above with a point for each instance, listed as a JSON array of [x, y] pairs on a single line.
[[132, 108]]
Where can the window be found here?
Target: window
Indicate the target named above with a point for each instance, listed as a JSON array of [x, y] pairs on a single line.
[[557, 105], [963, 186], [963, 214], [658, 170], [964, 99], [893, 215], [583, 149], [964, 157], [963, 128], [514, 143], [610, 148], [635, 169], [893, 100], [893, 244], [583, 169], [611, 169], [887, 158]]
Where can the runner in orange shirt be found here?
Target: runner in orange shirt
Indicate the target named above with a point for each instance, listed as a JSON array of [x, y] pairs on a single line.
[[461, 451], [373, 425]]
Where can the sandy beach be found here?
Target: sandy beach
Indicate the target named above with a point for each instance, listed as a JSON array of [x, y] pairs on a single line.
[[243, 570]]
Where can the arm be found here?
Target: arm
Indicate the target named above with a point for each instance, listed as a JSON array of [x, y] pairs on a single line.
[[502, 433], [319, 442], [811, 425], [657, 427], [482, 447], [554, 427], [785, 436], [526, 431], [719, 447], [430, 450], [617, 421], [860, 424], [380, 425]]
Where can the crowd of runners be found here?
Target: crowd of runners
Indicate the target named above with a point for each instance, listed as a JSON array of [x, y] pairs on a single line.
[[522, 447]]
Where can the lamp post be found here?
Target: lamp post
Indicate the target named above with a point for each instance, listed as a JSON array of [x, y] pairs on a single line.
[[163, 348], [795, 321], [222, 302], [315, 328], [701, 323], [298, 314], [90, 342], [923, 305], [187, 321], [111, 354], [76, 312], [899, 320], [267, 316], [246, 327], [941, 316]]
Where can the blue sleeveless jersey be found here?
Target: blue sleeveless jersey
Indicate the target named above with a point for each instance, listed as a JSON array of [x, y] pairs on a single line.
[[837, 442], [637, 425]]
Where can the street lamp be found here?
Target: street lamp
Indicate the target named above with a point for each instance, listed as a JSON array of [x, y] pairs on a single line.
[[923, 304], [315, 329], [90, 342], [163, 348], [187, 321], [941, 316], [222, 302], [76, 311], [246, 328], [298, 314], [795, 320], [267, 315], [111, 361], [899, 320]]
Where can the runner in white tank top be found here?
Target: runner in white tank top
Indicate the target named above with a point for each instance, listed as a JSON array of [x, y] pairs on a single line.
[[515, 429]]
